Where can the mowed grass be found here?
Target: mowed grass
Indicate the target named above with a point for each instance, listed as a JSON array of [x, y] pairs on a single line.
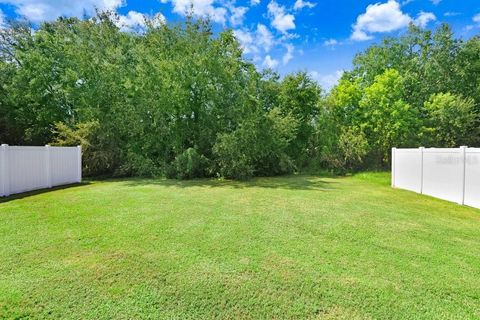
[[271, 248]]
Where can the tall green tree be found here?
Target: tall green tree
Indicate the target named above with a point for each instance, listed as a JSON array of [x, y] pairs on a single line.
[[452, 120], [385, 118], [299, 97]]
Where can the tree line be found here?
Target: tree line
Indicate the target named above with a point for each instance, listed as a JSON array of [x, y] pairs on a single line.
[[181, 101]]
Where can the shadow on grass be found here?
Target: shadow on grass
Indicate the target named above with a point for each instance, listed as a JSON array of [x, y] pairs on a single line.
[[286, 182], [27, 194]]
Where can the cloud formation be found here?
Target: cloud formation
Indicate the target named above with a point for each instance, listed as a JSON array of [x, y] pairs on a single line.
[[300, 4], [2, 20], [200, 8], [269, 62], [47, 10], [476, 18], [280, 19], [260, 41], [451, 14], [135, 21], [379, 17], [237, 15], [253, 42], [327, 81], [424, 18], [289, 54], [386, 17], [330, 42]]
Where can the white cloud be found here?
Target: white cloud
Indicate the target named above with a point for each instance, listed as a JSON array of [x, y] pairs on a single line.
[[254, 2], [237, 15], [136, 21], [269, 62], [327, 81], [2, 20], [289, 54], [359, 35], [158, 19], [280, 20], [436, 2], [246, 39], [254, 42], [379, 17], [330, 43], [476, 18], [217, 11], [424, 18], [47, 10], [451, 14], [300, 4], [200, 8], [264, 37], [133, 20]]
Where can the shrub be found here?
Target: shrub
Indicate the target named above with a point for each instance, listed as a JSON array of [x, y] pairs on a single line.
[[137, 165], [339, 148], [353, 147], [257, 147], [233, 162], [189, 164]]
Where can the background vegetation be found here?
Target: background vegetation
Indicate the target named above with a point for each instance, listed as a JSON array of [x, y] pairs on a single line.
[[181, 101]]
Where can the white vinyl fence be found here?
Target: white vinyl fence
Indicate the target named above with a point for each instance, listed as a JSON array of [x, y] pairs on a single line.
[[30, 168], [451, 174]]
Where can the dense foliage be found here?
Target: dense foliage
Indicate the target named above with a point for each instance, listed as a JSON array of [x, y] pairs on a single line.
[[421, 89], [182, 101]]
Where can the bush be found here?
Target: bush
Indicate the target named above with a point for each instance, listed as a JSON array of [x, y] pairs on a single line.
[[189, 164], [257, 147], [353, 147], [339, 148], [232, 161], [138, 165]]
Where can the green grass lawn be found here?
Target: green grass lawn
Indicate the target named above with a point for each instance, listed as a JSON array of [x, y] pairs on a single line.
[[288, 247]]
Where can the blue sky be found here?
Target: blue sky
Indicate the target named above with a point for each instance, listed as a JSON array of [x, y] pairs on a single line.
[[319, 36]]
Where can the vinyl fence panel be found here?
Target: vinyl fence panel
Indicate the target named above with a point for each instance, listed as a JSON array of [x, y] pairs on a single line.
[[31, 168], [451, 174], [64, 165], [26, 168], [443, 174], [408, 169], [472, 177]]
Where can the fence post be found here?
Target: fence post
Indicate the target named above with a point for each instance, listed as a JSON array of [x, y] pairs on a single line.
[[5, 183], [48, 166], [79, 164], [393, 166], [422, 149], [463, 152]]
